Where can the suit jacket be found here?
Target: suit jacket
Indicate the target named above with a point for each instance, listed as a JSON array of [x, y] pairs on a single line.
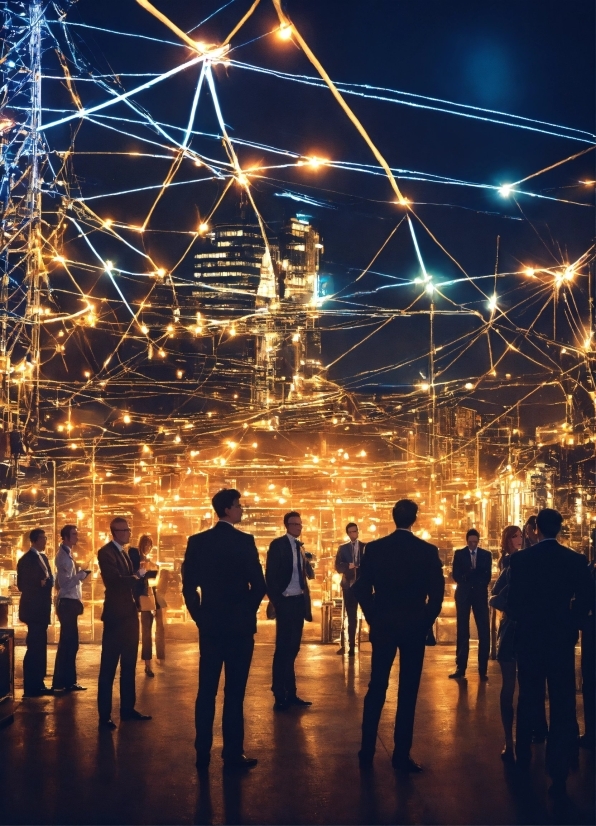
[[117, 571], [401, 584], [278, 572], [472, 581], [345, 555], [36, 599], [550, 593], [224, 563]]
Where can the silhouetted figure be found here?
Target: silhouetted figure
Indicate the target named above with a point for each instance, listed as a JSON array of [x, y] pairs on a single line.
[[587, 740], [120, 638], [35, 582], [69, 609], [224, 564], [472, 571], [549, 597], [347, 563], [400, 589], [287, 573]]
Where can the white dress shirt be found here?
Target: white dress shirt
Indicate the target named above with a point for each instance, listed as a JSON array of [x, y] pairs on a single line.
[[68, 578], [293, 589]]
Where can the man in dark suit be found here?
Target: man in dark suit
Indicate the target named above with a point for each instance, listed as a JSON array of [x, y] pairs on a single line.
[[347, 563], [224, 564], [35, 582], [400, 589], [472, 571], [120, 639], [287, 573], [550, 595]]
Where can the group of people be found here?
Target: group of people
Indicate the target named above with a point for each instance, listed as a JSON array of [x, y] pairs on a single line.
[[38, 586], [545, 593]]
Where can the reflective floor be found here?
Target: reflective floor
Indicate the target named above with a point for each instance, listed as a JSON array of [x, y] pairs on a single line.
[[57, 768]]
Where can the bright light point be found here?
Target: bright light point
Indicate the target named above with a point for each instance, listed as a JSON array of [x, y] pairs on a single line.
[[232, 331], [242, 179], [161, 272], [588, 343], [430, 289], [109, 266], [284, 32], [530, 271], [469, 386], [203, 228], [144, 329], [505, 190], [108, 223], [60, 259], [126, 418], [569, 273], [424, 386], [493, 303], [403, 201], [315, 162]]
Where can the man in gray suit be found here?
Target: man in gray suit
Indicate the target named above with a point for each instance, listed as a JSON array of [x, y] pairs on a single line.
[[347, 563]]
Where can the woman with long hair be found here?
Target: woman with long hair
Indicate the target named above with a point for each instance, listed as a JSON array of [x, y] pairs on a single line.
[[530, 532], [511, 543], [138, 555]]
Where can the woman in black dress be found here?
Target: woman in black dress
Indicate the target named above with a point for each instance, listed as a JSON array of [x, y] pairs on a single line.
[[511, 542]]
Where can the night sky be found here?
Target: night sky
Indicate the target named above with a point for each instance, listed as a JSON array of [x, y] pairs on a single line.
[[533, 59]]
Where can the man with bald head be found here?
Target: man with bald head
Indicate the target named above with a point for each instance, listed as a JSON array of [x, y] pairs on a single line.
[[120, 639]]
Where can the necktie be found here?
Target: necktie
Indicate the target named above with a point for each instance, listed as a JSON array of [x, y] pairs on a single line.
[[473, 554], [299, 564], [355, 554]]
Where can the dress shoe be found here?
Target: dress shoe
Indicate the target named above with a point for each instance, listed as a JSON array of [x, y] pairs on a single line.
[[76, 687], [408, 765], [341, 651], [483, 678], [457, 675], [149, 672], [108, 724], [134, 715], [42, 692], [296, 701], [281, 705], [507, 755], [242, 762]]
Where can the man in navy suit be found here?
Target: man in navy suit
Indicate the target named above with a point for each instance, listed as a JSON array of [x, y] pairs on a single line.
[[400, 589], [120, 638], [35, 582], [223, 563], [472, 571], [347, 563], [550, 596], [287, 574]]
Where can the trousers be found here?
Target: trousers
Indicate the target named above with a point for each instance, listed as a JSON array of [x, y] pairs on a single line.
[[65, 668], [146, 639], [233, 652], [476, 601], [289, 622], [553, 661], [35, 662], [351, 608], [411, 658], [119, 644]]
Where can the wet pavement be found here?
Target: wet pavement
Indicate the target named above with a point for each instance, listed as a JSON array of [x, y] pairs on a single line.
[[57, 768]]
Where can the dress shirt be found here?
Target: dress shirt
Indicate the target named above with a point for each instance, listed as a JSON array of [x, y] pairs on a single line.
[[293, 589], [121, 549], [42, 560], [68, 578], [356, 554], [473, 556]]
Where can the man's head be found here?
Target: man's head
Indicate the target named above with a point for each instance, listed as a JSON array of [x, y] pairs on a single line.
[[120, 530], [352, 531], [226, 504], [293, 523], [69, 535], [548, 523], [404, 513], [472, 539], [38, 539]]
